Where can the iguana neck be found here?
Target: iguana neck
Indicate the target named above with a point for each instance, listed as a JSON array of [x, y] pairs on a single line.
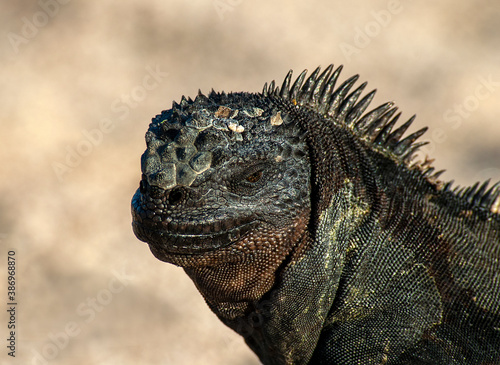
[[230, 288]]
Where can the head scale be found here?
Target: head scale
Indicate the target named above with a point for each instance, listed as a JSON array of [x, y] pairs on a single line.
[[216, 168]]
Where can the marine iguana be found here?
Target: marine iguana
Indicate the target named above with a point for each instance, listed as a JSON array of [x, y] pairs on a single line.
[[308, 229]]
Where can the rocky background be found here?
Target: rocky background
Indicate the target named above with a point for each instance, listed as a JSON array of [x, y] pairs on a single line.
[[80, 83]]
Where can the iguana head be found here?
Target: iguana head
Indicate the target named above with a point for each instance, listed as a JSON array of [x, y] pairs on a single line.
[[224, 178]]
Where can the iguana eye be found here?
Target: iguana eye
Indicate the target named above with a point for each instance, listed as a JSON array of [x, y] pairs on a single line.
[[253, 178], [250, 180]]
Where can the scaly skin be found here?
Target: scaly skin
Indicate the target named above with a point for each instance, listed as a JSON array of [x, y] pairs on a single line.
[[305, 228]]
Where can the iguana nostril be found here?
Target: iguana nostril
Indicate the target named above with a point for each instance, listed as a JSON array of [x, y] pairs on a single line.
[[176, 196], [143, 185]]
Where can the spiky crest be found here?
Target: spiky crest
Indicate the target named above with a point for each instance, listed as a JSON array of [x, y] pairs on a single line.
[[375, 127]]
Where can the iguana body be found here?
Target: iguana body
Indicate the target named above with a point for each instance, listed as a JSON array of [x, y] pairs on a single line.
[[304, 226]]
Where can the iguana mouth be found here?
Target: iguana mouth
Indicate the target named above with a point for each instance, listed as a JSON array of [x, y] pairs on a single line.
[[179, 237], [184, 243]]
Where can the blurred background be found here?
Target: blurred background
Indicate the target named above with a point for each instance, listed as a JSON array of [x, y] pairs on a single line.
[[80, 84]]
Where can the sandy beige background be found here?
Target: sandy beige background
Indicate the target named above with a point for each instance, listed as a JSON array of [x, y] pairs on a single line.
[[80, 83]]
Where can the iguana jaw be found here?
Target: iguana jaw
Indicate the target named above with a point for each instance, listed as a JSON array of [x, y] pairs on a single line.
[[189, 244], [181, 238]]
